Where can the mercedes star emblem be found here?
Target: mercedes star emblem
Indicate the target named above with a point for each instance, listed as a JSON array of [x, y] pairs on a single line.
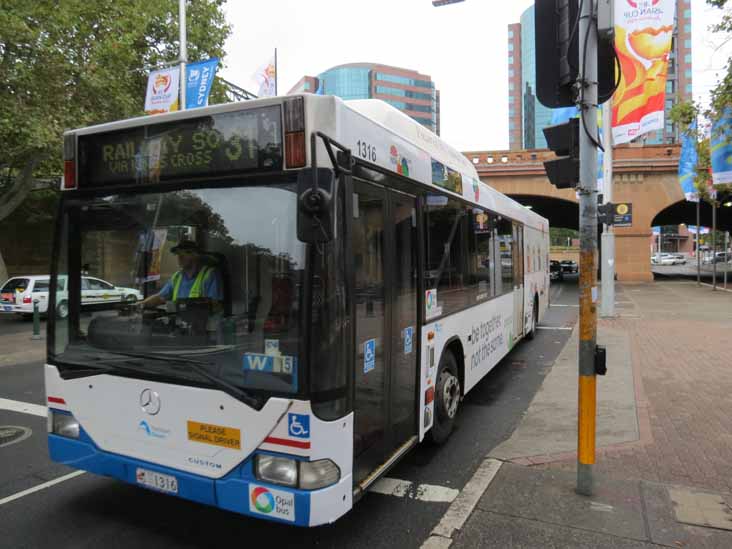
[[150, 401]]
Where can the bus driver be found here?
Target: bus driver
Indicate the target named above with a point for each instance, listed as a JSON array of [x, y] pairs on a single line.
[[193, 280]]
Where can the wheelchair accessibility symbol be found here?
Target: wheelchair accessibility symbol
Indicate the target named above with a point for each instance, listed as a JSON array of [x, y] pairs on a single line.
[[369, 355], [298, 425]]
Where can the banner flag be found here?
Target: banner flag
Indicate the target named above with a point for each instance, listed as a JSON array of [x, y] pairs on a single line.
[[266, 77], [199, 78], [687, 164], [721, 148], [643, 30], [162, 91]]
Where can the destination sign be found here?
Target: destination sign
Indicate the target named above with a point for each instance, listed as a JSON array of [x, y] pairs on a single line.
[[209, 146]]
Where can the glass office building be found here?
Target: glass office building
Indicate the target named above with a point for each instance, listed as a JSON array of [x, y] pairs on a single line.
[[527, 117], [409, 91]]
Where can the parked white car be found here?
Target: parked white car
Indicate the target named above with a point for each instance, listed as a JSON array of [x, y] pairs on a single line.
[[18, 293]]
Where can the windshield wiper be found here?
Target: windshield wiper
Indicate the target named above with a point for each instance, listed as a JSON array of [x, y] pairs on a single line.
[[197, 366]]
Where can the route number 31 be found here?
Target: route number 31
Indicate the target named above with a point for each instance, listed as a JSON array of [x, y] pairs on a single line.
[[366, 151]]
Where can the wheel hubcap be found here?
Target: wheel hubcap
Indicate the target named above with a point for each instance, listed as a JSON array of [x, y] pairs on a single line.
[[451, 395]]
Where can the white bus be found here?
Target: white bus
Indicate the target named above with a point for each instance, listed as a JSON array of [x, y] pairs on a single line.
[[324, 282]]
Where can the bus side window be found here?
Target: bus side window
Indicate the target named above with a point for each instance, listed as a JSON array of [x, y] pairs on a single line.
[[480, 254]]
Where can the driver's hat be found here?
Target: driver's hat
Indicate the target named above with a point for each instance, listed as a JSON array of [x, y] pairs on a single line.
[[186, 246]]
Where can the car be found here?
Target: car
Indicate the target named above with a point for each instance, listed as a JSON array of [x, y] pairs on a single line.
[[569, 266], [721, 257], [663, 259], [19, 292], [679, 259], [555, 270]]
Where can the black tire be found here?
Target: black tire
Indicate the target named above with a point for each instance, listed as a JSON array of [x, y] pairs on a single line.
[[534, 320], [62, 309], [130, 299], [447, 399]]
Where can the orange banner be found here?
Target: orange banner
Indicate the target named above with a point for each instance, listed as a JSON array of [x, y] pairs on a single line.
[[643, 30]]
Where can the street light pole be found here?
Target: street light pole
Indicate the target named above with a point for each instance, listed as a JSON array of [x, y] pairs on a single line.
[[183, 52], [714, 244], [698, 234], [607, 304]]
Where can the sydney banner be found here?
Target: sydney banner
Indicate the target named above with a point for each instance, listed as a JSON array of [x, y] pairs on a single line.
[[721, 148], [643, 30], [199, 78], [266, 78], [687, 164], [162, 91]]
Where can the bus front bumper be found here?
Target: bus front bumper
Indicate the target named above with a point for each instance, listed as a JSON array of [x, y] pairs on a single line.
[[237, 491]]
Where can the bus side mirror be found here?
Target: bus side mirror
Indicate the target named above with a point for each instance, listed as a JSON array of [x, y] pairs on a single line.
[[315, 205]]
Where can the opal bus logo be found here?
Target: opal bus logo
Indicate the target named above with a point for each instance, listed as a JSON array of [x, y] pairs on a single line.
[[262, 500], [162, 83]]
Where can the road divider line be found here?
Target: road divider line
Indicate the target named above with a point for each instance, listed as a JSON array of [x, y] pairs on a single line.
[[406, 489], [460, 509], [40, 487], [554, 328], [23, 407]]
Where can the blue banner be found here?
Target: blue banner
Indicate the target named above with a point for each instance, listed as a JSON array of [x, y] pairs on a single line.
[[199, 77], [721, 148], [687, 163]]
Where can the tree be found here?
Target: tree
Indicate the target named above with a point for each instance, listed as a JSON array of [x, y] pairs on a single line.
[[70, 64]]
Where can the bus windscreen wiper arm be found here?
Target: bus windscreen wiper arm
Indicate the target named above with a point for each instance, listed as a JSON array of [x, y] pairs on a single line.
[[197, 367]]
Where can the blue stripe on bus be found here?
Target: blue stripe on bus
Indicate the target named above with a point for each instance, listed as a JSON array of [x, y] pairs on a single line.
[[230, 492]]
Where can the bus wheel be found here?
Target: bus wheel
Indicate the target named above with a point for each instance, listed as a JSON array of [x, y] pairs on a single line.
[[62, 310], [447, 399]]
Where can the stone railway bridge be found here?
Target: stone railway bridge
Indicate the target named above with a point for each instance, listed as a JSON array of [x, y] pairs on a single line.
[[645, 176]]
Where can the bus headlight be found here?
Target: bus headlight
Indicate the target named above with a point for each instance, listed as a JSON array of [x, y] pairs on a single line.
[[318, 474], [64, 425], [277, 470]]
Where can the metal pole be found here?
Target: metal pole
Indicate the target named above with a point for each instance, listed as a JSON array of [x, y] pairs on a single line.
[[36, 321], [698, 234], [726, 257], [183, 52], [714, 244], [588, 249], [276, 74], [607, 305]]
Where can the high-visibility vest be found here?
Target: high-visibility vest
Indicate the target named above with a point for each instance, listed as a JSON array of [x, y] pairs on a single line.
[[197, 288]]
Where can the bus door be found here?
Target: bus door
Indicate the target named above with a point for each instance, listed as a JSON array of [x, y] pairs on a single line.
[[518, 280], [384, 250]]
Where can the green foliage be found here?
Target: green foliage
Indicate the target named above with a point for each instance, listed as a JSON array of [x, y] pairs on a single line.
[[74, 63]]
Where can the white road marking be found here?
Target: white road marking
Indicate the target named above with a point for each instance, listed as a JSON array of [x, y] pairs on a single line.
[[23, 407], [563, 305], [423, 492], [41, 487], [463, 506], [554, 328]]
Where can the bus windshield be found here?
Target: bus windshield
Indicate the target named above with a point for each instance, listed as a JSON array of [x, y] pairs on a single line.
[[200, 286]]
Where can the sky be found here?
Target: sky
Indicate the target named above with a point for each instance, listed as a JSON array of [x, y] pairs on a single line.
[[463, 47]]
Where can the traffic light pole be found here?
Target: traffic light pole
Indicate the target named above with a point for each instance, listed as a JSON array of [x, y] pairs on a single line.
[[587, 88]]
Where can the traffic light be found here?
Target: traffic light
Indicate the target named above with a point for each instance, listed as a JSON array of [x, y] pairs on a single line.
[[556, 43], [563, 139]]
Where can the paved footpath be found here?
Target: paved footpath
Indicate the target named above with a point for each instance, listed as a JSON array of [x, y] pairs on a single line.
[[663, 476], [681, 352]]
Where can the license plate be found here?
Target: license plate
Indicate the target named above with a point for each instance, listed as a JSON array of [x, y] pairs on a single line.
[[157, 481], [7, 308]]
